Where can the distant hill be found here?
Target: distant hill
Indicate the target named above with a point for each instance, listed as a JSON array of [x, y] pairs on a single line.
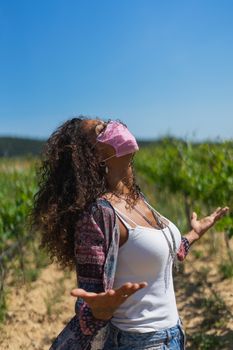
[[17, 146]]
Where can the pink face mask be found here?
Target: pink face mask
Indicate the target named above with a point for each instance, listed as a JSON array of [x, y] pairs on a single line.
[[118, 136]]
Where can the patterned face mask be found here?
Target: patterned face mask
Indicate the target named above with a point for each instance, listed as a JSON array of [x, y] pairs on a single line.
[[119, 137]]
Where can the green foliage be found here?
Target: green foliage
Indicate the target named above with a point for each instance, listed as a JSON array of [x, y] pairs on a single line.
[[226, 270], [181, 175], [17, 187], [197, 253], [202, 341], [3, 306], [202, 174]]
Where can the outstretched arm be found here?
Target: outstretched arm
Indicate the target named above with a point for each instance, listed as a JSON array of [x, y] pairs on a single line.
[[199, 227]]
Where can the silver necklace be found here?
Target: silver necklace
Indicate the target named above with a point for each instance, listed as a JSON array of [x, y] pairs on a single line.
[[172, 250]]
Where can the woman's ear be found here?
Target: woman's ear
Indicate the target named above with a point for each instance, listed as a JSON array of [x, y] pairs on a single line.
[[99, 128]]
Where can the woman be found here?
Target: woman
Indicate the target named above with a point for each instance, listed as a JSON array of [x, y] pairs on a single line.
[[92, 215]]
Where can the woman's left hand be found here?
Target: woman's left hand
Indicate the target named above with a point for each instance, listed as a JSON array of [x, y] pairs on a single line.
[[202, 225]]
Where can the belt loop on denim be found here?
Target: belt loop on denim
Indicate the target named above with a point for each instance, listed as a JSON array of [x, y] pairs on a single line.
[[169, 337]]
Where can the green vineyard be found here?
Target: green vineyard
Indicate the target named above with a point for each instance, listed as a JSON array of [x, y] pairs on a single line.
[[200, 174], [176, 176], [18, 184]]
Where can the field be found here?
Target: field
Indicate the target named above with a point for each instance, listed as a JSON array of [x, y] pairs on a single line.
[[177, 178]]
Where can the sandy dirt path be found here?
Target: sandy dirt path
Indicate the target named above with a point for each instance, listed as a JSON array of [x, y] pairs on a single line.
[[39, 311]]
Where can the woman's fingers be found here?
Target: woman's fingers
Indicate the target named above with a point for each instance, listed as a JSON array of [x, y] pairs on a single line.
[[130, 288], [126, 288], [219, 212], [81, 293], [111, 292], [194, 216]]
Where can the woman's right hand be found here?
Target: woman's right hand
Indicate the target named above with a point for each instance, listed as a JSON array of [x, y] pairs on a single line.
[[104, 304]]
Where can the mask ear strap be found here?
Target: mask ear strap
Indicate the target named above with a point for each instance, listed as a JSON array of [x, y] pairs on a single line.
[[104, 160], [103, 163]]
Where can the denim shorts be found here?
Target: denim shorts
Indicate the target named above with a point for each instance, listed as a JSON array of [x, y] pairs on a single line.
[[169, 338]]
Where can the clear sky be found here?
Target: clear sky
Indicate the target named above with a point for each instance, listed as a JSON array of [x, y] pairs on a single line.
[[161, 66]]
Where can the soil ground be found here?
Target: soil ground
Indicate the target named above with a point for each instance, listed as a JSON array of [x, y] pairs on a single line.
[[38, 311]]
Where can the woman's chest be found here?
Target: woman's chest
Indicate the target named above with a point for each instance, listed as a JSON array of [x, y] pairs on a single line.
[[147, 251]]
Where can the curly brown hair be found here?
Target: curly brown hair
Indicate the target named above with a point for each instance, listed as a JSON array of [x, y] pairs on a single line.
[[70, 178]]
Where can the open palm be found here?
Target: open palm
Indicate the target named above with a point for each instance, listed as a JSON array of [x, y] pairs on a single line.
[[104, 304], [202, 225]]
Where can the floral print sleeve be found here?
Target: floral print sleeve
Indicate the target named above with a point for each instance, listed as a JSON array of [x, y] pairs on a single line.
[[90, 253], [93, 238], [183, 249]]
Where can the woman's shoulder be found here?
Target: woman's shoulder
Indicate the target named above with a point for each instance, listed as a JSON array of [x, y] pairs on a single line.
[[101, 204], [101, 210]]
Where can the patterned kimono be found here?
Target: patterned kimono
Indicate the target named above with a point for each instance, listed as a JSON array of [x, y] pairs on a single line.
[[96, 249]]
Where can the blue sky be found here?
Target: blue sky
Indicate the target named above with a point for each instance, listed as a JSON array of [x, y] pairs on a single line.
[[161, 66]]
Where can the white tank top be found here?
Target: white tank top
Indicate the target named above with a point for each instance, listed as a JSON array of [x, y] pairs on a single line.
[[146, 257]]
